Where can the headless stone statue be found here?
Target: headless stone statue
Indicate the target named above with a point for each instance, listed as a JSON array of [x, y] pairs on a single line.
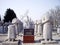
[[18, 25], [11, 32], [36, 27], [58, 29], [40, 27], [47, 27]]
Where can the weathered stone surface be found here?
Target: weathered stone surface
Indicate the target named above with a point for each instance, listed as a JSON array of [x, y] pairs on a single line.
[[11, 32], [47, 27], [18, 25], [36, 28], [40, 27], [58, 29]]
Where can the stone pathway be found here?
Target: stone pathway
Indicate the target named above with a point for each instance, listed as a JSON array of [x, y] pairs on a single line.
[[55, 37]]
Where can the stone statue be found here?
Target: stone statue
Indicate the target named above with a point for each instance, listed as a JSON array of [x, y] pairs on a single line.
[[47, 27], [18, 25], [58, 29], [11, 32], [40, 27], [36, 27]]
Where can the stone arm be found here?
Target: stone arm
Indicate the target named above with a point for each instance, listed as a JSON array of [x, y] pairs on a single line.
[[46, 22]]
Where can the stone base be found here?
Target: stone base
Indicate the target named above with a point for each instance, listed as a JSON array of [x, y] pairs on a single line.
[[28, 39], [49, 42], [10, 43]]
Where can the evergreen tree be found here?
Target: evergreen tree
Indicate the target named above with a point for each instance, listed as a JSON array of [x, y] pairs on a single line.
[[0, 17], [9, 15]]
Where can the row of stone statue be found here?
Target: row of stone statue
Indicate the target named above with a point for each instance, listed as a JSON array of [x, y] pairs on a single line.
[[43, 27]]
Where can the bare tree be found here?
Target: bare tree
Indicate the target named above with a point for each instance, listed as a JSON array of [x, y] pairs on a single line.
[[55, 13]]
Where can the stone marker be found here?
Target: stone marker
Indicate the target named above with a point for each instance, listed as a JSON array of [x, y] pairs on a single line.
[[11, 32], [40, 27], [28, 36], [47, 28]]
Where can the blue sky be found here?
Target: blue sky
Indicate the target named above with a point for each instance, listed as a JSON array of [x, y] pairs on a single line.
[[36, 7]]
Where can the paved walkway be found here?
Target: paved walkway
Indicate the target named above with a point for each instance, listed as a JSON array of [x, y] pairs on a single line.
[[37, 38]]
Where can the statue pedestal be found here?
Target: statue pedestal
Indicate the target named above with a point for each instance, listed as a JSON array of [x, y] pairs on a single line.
[[49, 42], [10, 43]]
